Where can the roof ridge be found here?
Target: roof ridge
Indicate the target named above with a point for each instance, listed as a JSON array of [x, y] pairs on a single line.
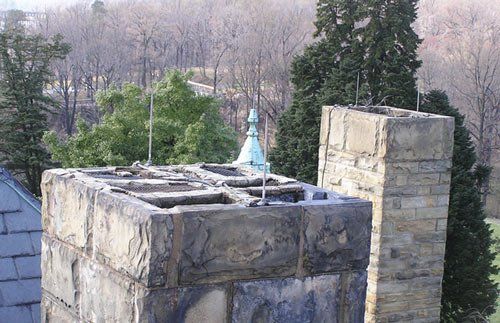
[[24, 193]]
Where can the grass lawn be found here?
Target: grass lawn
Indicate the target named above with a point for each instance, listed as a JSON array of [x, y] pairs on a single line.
[[495, 225]]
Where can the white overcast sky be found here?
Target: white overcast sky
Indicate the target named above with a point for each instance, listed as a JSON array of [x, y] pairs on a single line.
[[35, 5]]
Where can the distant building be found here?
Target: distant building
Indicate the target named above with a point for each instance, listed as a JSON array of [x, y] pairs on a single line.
[[20, 241], [251, 154], [29, 19]]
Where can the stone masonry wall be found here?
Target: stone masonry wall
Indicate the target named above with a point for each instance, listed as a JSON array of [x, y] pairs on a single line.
[[400, 161], [125, 246]]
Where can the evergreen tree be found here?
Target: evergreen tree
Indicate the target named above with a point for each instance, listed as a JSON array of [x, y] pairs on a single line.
[[24, 73], [391, 52], [297, 139], [467, 283], [372, 39]]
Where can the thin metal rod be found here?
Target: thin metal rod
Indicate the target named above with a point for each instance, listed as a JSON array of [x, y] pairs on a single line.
[[418, 97], [150, 152], [265, 163], [357, 90]]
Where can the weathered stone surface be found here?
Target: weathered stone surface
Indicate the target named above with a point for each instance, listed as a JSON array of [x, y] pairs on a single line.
[[189, 304], [68, 213], [126, 260], [337, 124], [60, 273], [314, 299], [353, 303], [52, 312], [132, 236], [106, 296], [418, 138], [361, 134], [239, 244], [337, 237], [409, 189]]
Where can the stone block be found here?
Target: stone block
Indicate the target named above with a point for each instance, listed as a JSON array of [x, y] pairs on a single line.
[[440, 189], [189, 304], [432, 212], [335, 123], [424, 190], [18, 292], [417, 202], [52, 312], [239, 243], [445, 178], [107, 296], [28, 267], [448, 137], [443, 200], [441, 224], [402, 168], [313, 299], [399, 214], [353, 300], [132, 236], [68, 213], [361, 134], [15, 244], [430, 237], [414, 139], [60, 273], [435, 166], [424, 179], [392, 202], [7, 269], [359, 175], [416, 226], [369, 164], [28, 220], [336, 237]]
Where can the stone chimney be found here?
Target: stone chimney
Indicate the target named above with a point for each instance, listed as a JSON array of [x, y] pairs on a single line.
[[190, 244], [401, 161]]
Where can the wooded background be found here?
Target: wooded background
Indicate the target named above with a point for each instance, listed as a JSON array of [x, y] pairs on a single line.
[[243, 49]]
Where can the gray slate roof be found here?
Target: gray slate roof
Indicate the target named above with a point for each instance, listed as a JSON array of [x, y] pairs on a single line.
[[20, 242]]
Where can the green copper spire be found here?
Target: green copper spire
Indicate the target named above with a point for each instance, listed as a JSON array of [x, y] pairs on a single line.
[[251, 154]]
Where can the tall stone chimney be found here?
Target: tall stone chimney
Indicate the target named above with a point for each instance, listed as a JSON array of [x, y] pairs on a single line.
[[401, 161]]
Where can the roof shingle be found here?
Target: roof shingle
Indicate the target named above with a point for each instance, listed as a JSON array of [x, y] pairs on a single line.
[[20, 241]]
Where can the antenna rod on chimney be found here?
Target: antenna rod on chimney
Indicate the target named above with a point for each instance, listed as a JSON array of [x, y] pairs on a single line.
[[263, 201], [418, 97], [357, 90], [150, 160]]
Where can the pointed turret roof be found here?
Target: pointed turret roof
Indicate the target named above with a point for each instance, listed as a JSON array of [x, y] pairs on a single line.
[[251, 153]]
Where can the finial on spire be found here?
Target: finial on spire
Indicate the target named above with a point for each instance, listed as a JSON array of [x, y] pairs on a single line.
[[251, 153]]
